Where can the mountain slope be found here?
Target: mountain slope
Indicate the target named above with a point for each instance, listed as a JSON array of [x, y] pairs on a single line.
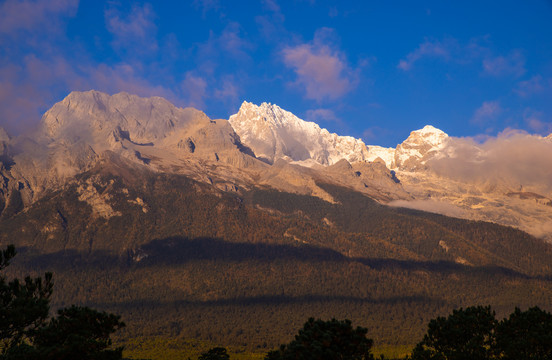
[[437, 173], [187, 234], [180, 258]]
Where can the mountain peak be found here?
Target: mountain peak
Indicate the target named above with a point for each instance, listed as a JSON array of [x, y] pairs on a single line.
[[96, 114], [429, 135], [273, 133], [421, 144]]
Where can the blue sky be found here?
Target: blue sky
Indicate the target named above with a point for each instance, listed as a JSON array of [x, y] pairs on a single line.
[[375, 70]]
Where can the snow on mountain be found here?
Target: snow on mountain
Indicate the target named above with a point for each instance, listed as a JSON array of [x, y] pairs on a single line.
[[273, 133], [385, 154], [418, 147]]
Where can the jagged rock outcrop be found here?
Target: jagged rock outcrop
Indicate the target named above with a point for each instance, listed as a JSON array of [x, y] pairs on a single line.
[[266, 146], [273, 133], [421, 145]]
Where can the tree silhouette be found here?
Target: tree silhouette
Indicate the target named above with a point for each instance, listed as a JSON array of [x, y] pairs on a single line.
[[464, 335], [331, 340], [525, 335], [24, 306], [76, 332], [216, 353]]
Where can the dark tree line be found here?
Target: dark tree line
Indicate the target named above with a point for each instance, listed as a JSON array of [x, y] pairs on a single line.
[[27, 333], [473, 333]]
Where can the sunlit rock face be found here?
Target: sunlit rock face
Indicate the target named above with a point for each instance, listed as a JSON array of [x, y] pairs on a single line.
[[273, 133], [505, 180], [419, 147]]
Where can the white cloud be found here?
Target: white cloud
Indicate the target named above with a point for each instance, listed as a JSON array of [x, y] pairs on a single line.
[[271, 5], [489, 110], [321, 69], [229, 44], [513, 156], [529, 87], [206, 5], [535, 122], [135, 32], [430, 206], [511, 65], [321, 115], [426, 49], [194, 88], [29, 15], [229, 91]]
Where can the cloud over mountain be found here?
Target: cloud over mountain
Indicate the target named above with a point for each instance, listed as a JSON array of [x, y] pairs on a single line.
[[321, 69], [514, 157]]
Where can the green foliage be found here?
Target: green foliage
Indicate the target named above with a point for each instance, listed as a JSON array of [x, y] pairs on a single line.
[[326, 340], [216, 353], [525, 335]]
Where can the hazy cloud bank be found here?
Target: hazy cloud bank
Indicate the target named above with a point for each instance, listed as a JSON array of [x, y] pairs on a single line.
[[513, 156], [430, 206]]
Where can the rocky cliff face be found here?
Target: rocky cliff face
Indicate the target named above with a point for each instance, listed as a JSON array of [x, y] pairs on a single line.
[[266, 146], [273, 133], [86, 127], [437, 173]]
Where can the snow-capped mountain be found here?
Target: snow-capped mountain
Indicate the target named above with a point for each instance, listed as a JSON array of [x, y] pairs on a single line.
[[419, 147], [437, 171], [273, 133], [412, 153], [266, 146]]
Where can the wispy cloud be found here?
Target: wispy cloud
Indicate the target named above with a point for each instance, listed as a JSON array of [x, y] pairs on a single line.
[[529, 87], [194, 89], [476, 50], [31, 67], [28, 15], [228, 44], [228, 90], [134, 32], [322, 115], [512, 64], [488, 111], [429, 48], [271, 5], [535, 121], [206, 5], [430, 206], [321, 69], [271, 25], [39, 67]]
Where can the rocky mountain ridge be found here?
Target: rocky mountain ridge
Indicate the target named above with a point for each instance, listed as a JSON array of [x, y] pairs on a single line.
[[428, 165], [273, 133], [260, 146]]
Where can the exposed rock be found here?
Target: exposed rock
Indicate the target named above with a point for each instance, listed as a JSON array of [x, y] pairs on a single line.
[[273, 133]]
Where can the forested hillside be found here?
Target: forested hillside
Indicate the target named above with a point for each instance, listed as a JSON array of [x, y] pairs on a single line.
[[180, 259]]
